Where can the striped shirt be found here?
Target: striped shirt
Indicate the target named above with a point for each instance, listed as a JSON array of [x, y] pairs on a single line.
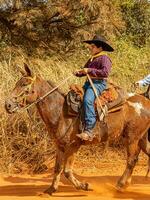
[[145, 81]]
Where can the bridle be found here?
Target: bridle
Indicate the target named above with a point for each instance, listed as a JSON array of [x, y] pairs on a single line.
[[23, 95], [21, 98]]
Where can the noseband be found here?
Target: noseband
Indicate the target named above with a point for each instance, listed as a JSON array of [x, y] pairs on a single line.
[[21, 98], [24, 96]]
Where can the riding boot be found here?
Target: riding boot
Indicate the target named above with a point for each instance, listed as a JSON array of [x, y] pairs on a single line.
[[86, 135]]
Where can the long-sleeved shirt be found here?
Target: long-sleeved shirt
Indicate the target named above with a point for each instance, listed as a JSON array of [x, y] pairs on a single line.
[[99, 66], [145, 81]]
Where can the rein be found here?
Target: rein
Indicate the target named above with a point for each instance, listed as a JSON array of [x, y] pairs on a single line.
[[44, 96]]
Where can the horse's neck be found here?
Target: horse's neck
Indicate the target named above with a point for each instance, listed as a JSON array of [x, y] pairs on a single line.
[[50, 108]]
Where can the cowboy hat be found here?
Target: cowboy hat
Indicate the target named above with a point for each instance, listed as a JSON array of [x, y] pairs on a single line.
[[100, 42]]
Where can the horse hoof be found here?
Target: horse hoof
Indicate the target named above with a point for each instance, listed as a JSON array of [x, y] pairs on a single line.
[[43, 195], [50, 191], [120, 187], [86, 187], [128, 183]]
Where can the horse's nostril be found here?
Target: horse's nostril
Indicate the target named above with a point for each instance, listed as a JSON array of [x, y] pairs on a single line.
[[9, 105]]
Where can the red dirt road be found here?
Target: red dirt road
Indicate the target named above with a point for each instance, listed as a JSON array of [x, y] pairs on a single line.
[[27, 187], [100, 171]]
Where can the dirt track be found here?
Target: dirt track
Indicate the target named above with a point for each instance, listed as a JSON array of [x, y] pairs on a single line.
[[103, 182]]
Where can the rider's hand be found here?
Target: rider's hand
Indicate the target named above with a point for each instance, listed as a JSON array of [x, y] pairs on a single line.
[[81, 72], [76, 73], [84, 71]]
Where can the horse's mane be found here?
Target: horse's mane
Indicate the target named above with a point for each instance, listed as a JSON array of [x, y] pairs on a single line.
[[53, 85]]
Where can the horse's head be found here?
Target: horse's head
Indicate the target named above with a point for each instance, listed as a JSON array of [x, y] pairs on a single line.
[[24, 93]]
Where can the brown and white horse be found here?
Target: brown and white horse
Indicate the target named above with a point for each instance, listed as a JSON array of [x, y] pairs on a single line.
[[132, 121]]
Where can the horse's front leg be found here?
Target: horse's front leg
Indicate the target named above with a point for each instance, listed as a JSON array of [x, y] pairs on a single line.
[[57, 172], [68, 166], [133, 151]]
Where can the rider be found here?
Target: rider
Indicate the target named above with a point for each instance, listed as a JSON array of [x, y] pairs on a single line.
[[98, 67], [143, 82]]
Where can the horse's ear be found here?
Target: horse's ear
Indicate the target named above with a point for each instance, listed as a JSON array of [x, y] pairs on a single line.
[[27, 70], [20, 70]]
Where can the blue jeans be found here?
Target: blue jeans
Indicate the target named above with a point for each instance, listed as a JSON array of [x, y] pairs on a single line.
[[88, 102]]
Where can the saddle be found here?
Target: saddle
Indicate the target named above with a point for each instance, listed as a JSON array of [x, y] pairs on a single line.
[[112, 97]]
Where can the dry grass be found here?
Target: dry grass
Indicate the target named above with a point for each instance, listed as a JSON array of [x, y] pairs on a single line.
[[25, 145], [54, 51]]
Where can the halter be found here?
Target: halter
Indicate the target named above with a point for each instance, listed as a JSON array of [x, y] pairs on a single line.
[[24, 94], [29, 86]]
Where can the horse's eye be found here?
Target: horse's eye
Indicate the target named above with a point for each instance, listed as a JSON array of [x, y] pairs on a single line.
[[24, 84], [26, 92]]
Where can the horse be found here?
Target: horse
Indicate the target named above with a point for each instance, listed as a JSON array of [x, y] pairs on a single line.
[[132, 122]]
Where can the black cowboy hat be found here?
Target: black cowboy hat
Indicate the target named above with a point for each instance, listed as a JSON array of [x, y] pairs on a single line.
[[100, 42]]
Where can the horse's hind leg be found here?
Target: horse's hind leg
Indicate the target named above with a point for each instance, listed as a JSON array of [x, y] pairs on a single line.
[[57, 172], [148, 170], [133, 151], [68, 165], [145, 146]]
